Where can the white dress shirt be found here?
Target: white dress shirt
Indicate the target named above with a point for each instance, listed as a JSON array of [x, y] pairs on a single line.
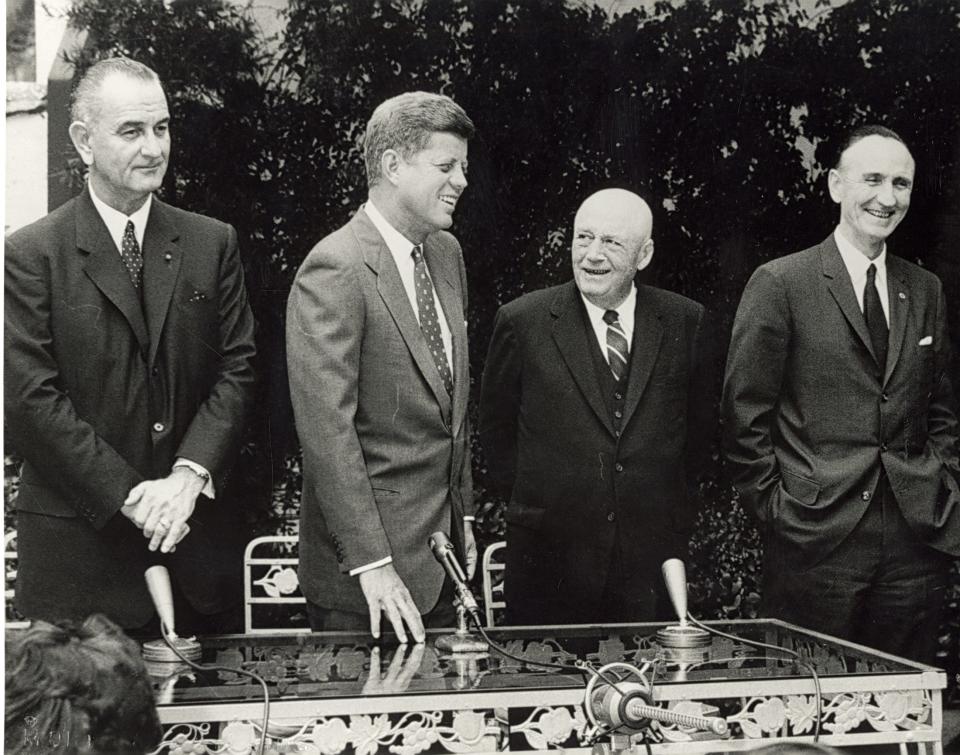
[[116, 223], [625, 312], [857, 263]]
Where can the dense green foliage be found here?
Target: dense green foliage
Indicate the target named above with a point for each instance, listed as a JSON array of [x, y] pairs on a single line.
[[722, 113]]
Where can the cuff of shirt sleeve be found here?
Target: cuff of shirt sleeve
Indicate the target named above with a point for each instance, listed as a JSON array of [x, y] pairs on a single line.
[[208, 489], [368, 567], [469, 518]]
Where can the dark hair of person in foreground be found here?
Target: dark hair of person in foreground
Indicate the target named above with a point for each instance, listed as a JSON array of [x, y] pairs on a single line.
[[77, 688]]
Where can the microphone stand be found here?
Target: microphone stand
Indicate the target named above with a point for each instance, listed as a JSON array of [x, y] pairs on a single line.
[[462, 642], [683, 639]]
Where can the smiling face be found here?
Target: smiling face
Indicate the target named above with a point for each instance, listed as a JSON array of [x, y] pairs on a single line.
[[872, 185], [125, 141], [611, 242], [427, 185]]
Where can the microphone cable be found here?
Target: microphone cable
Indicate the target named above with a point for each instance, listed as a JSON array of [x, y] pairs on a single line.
[[791, 654], [262, 749]]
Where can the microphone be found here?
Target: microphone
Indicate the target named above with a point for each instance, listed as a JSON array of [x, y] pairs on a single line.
[[185, 650], [442, 550], [680, 636], [166, 650], [158, 584], [629, 706], [462, 642]]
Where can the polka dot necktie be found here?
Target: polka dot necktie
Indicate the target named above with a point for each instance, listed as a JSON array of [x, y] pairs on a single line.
[[130, 254], [617, 350], [429, 322]]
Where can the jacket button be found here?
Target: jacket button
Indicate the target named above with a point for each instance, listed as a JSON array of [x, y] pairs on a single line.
[[611, 517], [619, 467], [883, 446], [154, 371], [618, 414], [158, 427], [884, 397], [865, 495], [618, 396]]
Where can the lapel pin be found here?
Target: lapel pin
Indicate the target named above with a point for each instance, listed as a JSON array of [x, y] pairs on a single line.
[[168, 257], [903, 296]]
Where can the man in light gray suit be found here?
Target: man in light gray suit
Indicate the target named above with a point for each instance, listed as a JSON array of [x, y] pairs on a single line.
[[841, 424], [378, 366]]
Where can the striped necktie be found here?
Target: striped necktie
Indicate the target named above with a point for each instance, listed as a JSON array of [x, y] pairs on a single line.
[[617, 349]]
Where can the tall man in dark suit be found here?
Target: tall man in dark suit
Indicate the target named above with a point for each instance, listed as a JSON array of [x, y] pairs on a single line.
[[595, 419], [841, 423], [377, 355], [128, 345]]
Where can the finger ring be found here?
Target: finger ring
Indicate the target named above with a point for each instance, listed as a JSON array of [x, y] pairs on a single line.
[[163, 523]]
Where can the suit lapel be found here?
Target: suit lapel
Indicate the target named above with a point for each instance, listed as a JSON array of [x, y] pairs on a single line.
[[647, 334], [378, 258], [445, 283], [161, 267], [840, 286], [898, 294], [105, 268], [570, 335]]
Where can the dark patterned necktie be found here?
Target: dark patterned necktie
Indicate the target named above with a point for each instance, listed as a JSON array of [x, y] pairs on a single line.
[[617, 349], [873, 314], [429, 322], [131, 256]]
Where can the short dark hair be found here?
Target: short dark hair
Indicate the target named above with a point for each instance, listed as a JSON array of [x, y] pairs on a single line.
[[862, 132], [78, 688], [405, 123], [84, 96]]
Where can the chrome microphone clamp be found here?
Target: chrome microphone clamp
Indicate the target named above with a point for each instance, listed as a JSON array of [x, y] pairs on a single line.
[[627, 703]]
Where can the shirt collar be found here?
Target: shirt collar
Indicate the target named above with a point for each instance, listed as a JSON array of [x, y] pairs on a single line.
[[856, 261], [625, 312], [398, 244], [116, 221]]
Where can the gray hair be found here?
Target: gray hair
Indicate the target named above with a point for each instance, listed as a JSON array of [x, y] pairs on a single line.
[[406, 122], [83, 101]]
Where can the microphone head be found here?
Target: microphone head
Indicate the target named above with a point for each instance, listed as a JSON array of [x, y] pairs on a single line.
[[439, 542], [158, 584], [675, 577]]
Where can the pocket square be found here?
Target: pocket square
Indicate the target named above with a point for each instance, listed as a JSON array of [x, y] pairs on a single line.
[[925, 341]]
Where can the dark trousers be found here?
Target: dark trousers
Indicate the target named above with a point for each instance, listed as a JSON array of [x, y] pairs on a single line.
[[881, 587], [322, 619], [190, 622], [631, 593]]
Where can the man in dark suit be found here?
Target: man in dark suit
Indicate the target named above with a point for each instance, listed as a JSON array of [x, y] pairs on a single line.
[[128, 349], [378, 366], [595, 419], [841, 424]]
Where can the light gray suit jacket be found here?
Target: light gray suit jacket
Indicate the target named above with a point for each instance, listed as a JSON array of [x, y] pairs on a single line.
[[386, 456]]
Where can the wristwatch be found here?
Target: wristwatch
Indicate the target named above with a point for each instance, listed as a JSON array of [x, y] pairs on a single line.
[[203, 474]]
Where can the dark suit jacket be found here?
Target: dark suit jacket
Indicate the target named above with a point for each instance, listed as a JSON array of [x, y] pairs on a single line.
[[386, 457], [810, 419], [575, 487], [99, 397]]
